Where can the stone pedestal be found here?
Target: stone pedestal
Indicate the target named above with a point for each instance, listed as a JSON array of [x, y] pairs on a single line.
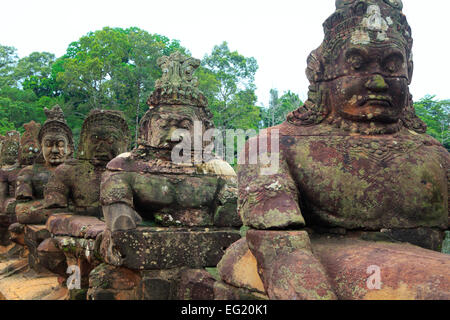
[[166, 248]]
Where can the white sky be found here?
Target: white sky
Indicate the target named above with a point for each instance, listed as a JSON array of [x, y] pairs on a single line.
[[279, 34]]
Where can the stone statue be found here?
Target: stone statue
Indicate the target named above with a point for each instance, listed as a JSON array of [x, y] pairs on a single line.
[[167, 209], [104, 136], [149, 182], [10, 167], [354, 158], [56, 142], [29, 144]]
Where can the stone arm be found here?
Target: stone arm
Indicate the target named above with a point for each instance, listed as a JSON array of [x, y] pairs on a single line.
[[269, 205], [116, 198], [28, 210], [268, 201], [57, 190], [4, 191], [24, 186], [226, 214]]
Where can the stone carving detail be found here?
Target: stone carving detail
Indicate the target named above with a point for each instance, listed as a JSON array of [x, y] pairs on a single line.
[[56, 142], [361, 23], [179, 195], [10, 148], [162, 217], [104, 136], [10, 167], [354, 157], [177, 85], [29, 144]]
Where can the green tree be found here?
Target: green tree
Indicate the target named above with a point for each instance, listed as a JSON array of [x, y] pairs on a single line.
[[112, 68], [19, 106], [436, 114], [34, 72], [227, 79], [8, 61], [279, 107]]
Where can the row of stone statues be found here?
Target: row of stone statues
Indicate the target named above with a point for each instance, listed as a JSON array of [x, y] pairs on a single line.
[[357, 178]]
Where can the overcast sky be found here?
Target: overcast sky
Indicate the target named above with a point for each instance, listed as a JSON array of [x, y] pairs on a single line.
[[279, 34]]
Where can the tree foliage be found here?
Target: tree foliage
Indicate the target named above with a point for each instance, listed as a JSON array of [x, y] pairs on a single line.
[[436, 114], [8, 61], [227, 79], [279, 107]]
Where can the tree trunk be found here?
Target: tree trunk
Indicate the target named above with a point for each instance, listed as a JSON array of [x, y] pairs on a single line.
[[137, 113]]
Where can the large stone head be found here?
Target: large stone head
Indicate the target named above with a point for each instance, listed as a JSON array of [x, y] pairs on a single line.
[[55, 138], [29, 143], [176, 103], [159, 124], [104, 136], [10, 148], [361, 72]]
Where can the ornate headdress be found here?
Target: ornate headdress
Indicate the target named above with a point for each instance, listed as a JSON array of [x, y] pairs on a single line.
[[10, 146], [362, 22], [56, 123], [103, 118], [177, 85], [29, 143]]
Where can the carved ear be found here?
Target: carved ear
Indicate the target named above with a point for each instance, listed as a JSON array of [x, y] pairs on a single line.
[[315, 66], [69, 151], [410, 70]]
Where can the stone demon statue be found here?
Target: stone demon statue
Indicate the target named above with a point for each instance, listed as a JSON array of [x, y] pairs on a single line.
[[56, 142], [148, 184], [104, 136], [354, 159]]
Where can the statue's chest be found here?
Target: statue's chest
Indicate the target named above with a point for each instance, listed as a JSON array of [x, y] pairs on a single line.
[[10, 177], [86, 185], [39, 181], [369, 178], [180, 190]]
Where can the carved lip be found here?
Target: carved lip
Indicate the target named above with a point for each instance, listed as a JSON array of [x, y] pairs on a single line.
[[378, 100]]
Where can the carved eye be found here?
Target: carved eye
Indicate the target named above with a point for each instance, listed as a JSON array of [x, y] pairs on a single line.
[[185, 124], [356, 61], [162, 123], [61, 144], [393, 63]]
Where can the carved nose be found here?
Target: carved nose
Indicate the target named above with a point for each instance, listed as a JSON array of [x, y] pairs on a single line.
[[172, 137], [377, 84], [55, 149]]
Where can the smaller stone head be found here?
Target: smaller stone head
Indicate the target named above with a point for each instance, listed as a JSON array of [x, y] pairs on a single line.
[[10, 148], [159, 124], [104, 136], [29, 143], [55, 138]]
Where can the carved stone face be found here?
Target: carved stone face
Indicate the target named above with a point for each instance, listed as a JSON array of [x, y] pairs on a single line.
[[372, 83], [103, 144], [55, 148], [10, 153], [29, 153], [163, 124]]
